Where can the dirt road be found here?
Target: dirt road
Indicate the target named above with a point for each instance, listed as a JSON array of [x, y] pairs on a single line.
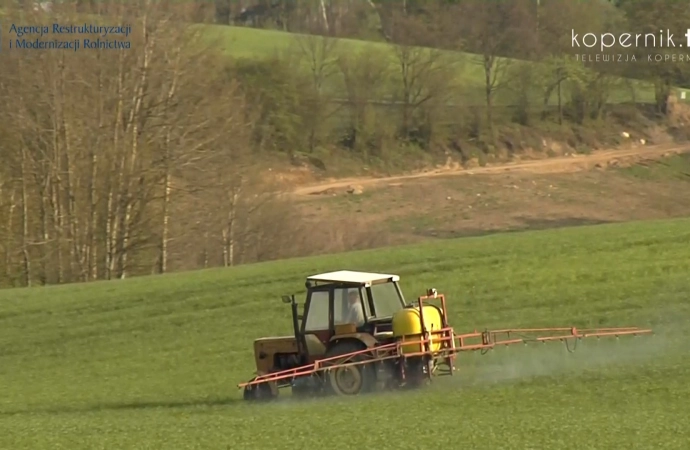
[[564, 164]]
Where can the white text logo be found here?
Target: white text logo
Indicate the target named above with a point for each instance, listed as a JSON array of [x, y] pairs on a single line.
[[664, 39]]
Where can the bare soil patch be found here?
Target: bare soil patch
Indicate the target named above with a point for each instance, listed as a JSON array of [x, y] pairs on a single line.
[[607, 187], [562, 164]]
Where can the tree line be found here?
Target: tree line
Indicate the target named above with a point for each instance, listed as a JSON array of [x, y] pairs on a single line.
[[525, 29], [151, 160]]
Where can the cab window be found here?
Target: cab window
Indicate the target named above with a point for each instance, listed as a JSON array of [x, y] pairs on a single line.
[[317, 315], [342, 306], [387, 300]]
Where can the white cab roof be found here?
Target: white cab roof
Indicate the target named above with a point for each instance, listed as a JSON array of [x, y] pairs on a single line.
[[348, 276]]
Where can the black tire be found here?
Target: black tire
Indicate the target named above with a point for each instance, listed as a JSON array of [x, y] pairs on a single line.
[[259, 392], [306, 387], [351, 380], [417, 373]]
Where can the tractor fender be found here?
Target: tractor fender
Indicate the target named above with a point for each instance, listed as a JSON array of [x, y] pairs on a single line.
[[366, 339]]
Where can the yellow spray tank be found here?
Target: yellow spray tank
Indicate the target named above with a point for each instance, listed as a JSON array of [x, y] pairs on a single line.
[[407, 326]]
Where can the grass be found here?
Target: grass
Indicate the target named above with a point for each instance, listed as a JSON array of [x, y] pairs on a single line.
[[251, 43], [675, 167], [153, 362]]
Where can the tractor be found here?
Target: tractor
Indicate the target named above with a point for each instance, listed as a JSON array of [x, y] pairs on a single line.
[[357, 334], [327, 329]]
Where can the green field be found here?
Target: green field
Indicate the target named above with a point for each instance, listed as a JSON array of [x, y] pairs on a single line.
[[153, 362], [251, 43]]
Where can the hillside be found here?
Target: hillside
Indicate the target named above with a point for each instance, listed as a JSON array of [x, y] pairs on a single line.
[[603, 187], [465, 68], [181, 156], [153, 362], [364, 109]]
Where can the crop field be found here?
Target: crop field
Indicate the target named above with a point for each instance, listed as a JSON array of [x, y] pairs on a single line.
[[152, 363], [253, 43]]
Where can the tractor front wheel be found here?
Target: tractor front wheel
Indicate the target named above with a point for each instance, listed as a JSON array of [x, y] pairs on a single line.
[[350, 380], [259, 392]]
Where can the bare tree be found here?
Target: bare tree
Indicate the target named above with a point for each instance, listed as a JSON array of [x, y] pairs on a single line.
[[493, 30], [647, 17], [560, 67], [423, 74], [90, 194], [363, 77], [318, 55]]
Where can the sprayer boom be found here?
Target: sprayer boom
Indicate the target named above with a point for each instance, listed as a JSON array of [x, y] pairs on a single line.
[[489, 339]]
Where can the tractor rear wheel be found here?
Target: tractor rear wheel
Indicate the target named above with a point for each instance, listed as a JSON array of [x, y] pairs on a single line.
[[350, 380]]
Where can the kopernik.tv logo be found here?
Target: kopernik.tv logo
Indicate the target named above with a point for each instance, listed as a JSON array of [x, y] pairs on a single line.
[[653, 43]]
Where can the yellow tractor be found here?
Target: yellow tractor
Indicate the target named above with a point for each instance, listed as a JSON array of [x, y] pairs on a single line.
[[345, 312], [358, 334]]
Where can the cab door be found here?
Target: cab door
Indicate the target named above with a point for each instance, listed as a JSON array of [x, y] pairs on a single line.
[[318, 319]]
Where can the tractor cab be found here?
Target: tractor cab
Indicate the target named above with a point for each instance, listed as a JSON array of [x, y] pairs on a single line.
[[345, 304]]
